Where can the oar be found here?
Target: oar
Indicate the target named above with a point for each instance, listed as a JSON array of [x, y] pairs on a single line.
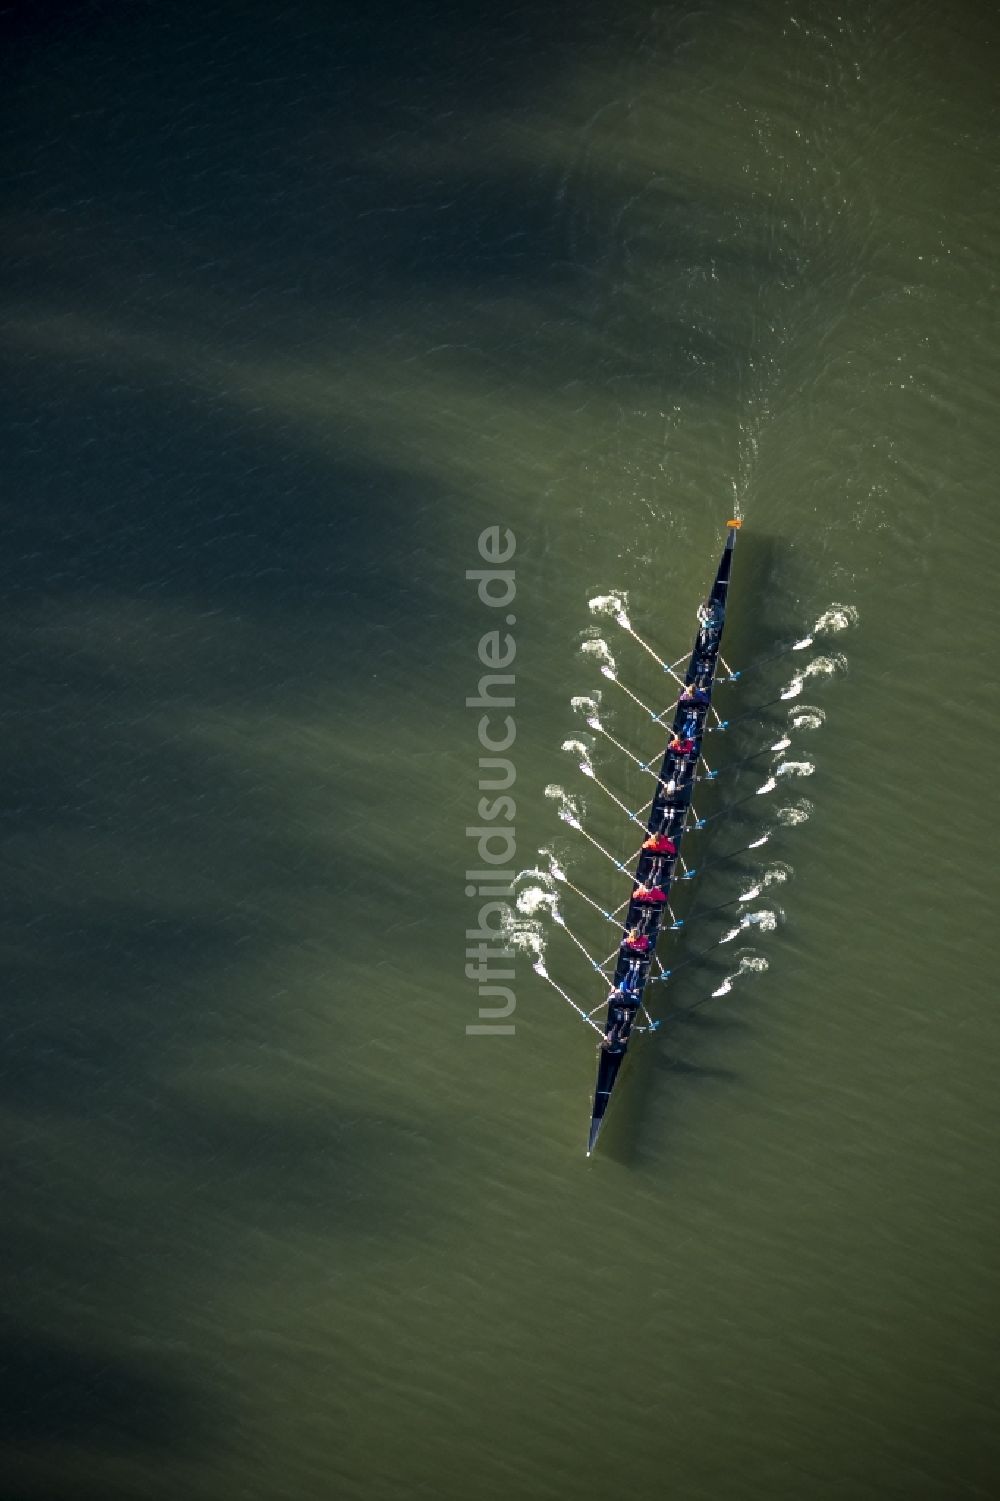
[[726, 724], [697, 869], [702, 822], [735, 677]]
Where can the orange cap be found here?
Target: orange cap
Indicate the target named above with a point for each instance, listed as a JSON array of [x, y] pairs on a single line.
[[737, 524]]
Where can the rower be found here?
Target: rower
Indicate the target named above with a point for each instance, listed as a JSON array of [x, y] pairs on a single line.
[[709, 621], [660, 844], [649, 894], [631, 983], [694, 694], [681, 745], [637, 941]]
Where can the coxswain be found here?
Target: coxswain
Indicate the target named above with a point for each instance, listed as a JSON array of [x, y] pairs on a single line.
[[615, 1036], [660, 844]]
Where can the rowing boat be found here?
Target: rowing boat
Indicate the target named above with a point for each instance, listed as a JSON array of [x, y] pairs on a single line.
[[668, 816]]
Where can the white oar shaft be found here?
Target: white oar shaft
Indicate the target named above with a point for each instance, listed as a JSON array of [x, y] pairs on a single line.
[[583, 950], [596, 725], [616, 800], [614, 678], [584, 897], [569, 1000], [598, 846]]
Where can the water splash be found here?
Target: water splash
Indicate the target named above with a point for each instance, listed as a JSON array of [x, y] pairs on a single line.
[[806, 717], [836, 618], [795, 769], [569, 809], [765, 920], [825, 667], [556, 871], [614, 604], [525, 935], [819, 667], [780, 745], [588, 704], [758, 842], [766, 787], [795, 813], [535, 899], [578, 748], [774, 875], [749, 964], [599, 648]]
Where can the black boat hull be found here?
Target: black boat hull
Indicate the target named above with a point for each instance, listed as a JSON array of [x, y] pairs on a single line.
[[668, 814]]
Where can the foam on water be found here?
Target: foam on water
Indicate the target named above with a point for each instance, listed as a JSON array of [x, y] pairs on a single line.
[[556, 871], [587, 703], [599, 648], [825, 666], [614, 604], [806, 717], [795, 813], [569, 809], [819, 667], [795, 769], [749, 964], [836, 618], [535, 899], [523, 934]]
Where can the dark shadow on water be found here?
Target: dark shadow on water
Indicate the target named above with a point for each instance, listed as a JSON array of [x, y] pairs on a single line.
[[193, 536], [654, 1069], [52, 1393]]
